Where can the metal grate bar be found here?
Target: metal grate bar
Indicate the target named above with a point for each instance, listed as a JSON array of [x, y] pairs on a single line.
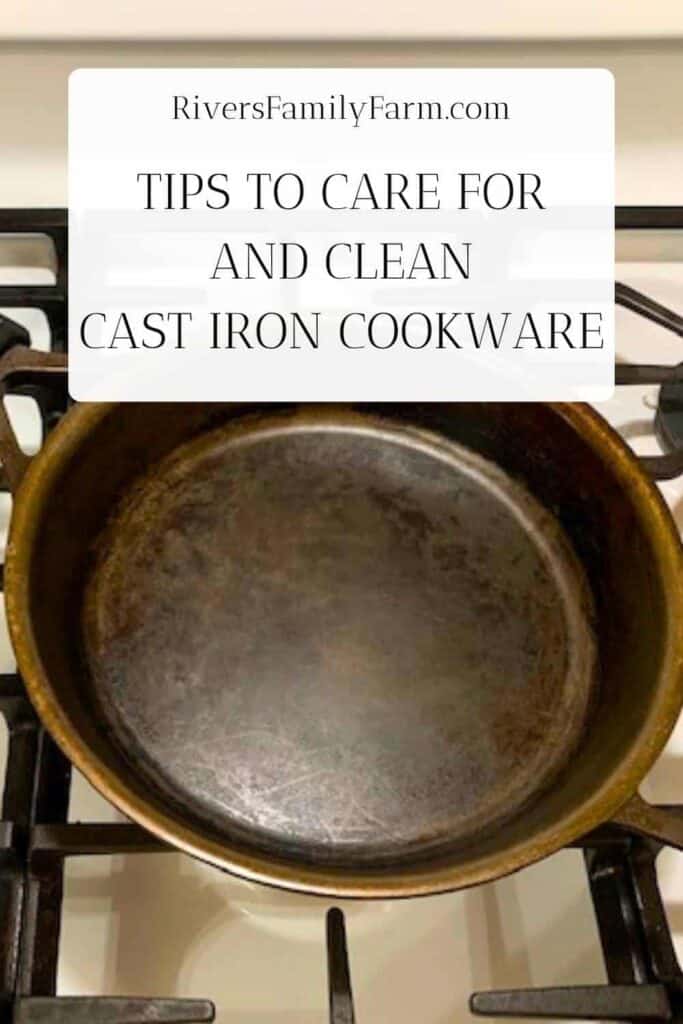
[[338, 973], [587, 1002], [112, 1010]]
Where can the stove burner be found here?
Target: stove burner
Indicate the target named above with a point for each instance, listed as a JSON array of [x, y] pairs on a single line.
[[669, 419], [645, 981]]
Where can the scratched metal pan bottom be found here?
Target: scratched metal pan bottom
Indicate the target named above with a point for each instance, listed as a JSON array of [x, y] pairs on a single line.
[[339, 637]]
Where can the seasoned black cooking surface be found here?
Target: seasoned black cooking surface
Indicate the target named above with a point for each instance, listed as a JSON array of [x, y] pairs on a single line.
[[339, 636]]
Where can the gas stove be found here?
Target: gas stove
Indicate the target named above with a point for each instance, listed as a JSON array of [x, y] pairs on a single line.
[[99, 922]]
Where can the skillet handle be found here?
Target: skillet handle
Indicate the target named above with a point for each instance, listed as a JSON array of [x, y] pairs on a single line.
[[653, 822], [20, 366]]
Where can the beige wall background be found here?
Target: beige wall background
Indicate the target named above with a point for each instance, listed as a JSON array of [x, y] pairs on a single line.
[[648, 75], [268, 19]]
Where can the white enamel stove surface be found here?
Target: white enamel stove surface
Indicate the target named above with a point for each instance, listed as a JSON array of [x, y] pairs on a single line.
[[165, 925]]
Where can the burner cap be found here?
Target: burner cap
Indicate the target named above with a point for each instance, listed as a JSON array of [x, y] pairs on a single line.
[[669, 418]]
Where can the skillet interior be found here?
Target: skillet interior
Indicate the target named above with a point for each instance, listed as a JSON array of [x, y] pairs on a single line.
[[338, 637]]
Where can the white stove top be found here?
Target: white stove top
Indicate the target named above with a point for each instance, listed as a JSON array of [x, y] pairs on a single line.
[[166, 925]]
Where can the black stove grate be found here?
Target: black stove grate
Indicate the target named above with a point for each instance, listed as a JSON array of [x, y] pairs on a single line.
[[645, 981]]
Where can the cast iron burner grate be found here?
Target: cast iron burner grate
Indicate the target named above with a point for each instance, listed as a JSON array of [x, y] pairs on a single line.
[[645, 981]]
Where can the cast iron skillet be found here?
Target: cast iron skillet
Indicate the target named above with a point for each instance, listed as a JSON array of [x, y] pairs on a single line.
[[369, 651]]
